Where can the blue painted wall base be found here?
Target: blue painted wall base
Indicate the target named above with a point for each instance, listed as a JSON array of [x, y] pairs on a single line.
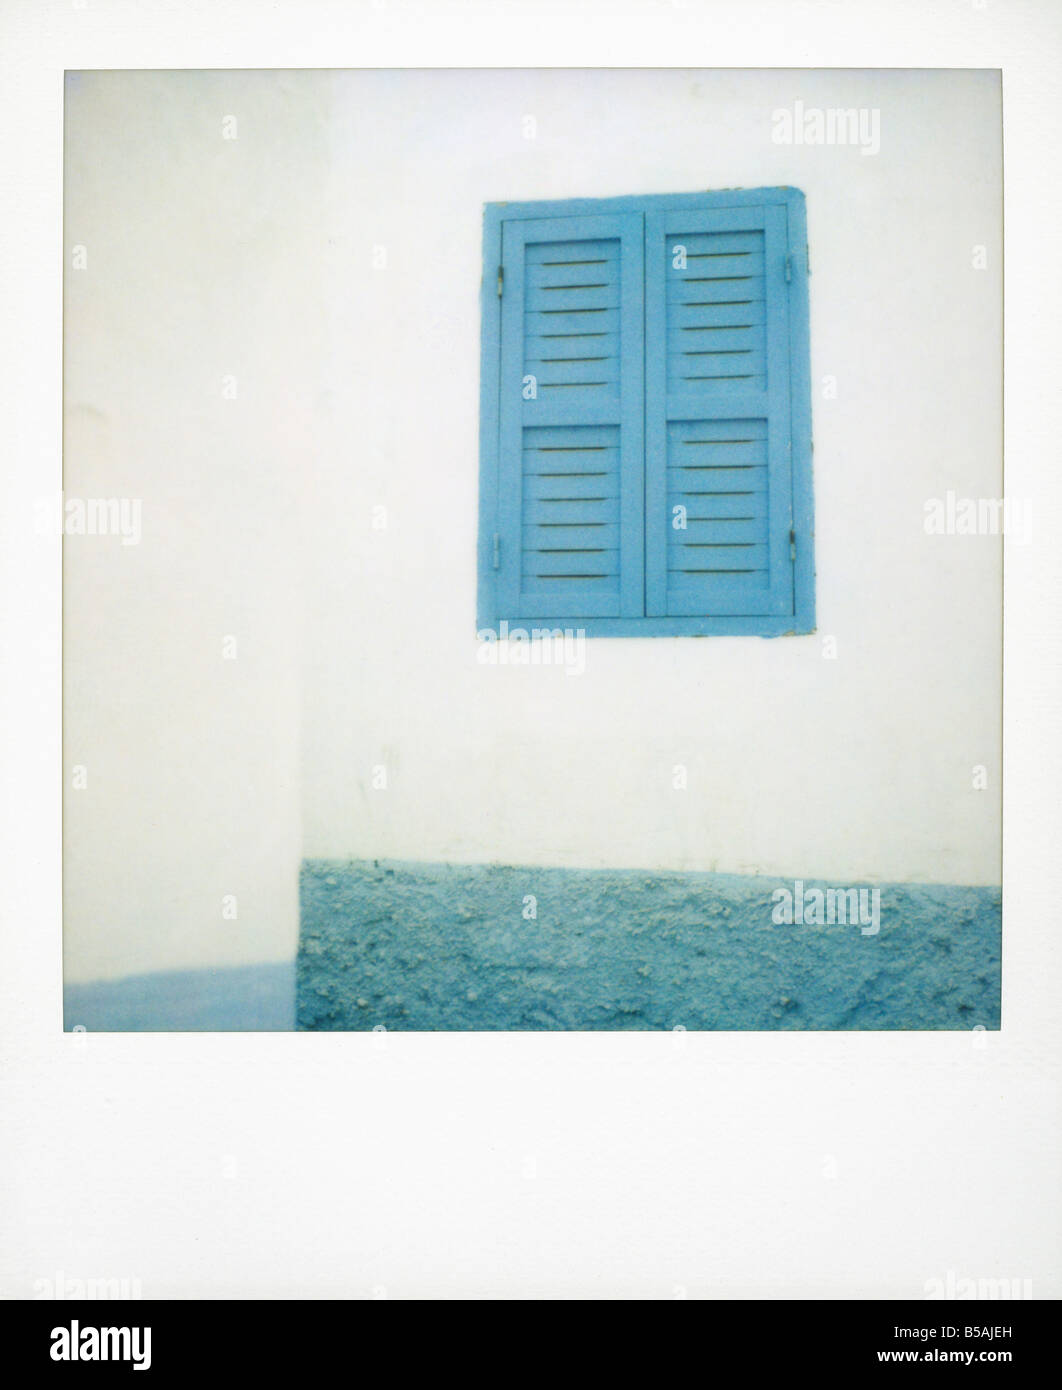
[[439, 946]]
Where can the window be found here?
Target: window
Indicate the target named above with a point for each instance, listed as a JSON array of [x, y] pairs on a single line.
[[646, 417]]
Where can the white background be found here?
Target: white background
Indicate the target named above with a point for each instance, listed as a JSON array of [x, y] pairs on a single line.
[[720, 1165]]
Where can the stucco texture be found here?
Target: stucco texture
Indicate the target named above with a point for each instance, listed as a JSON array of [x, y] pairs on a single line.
[[418, 946]]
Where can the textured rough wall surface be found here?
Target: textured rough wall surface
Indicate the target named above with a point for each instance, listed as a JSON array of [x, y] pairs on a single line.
[[441, 946]]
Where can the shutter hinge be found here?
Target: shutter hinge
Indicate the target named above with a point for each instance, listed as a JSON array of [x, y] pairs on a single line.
[[792, 544], [496, 552], [788, 269], [501, 278]]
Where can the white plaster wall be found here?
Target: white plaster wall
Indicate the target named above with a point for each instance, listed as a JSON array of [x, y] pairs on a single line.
[[857, 768], [202, 263], [358, 387]]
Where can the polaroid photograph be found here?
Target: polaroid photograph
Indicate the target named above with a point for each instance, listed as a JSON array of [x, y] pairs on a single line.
[[531, 627], [533, 550]]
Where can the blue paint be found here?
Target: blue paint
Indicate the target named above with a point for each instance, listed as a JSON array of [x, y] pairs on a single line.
[[489, 414], [800, 404], [741, 416], [570, 501], [597, 550], [437, 946], [252, 998]]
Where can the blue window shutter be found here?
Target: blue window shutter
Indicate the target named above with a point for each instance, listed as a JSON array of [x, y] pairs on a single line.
[[570, 492], [719, 505]]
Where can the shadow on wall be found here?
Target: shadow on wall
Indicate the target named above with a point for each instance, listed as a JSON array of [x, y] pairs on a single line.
[[251, 998]]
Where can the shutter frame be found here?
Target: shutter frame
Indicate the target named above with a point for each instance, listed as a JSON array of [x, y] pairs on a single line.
[[577, 417], [694, 572]]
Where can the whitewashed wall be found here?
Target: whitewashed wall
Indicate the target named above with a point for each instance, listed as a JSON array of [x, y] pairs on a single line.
[[203, 264], [855, 767], [329, 258]]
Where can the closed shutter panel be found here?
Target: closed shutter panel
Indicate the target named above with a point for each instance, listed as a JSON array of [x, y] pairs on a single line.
[[718, 467], [571, 465]]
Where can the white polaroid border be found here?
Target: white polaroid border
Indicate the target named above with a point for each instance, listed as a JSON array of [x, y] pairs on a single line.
[[545, 1165]]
